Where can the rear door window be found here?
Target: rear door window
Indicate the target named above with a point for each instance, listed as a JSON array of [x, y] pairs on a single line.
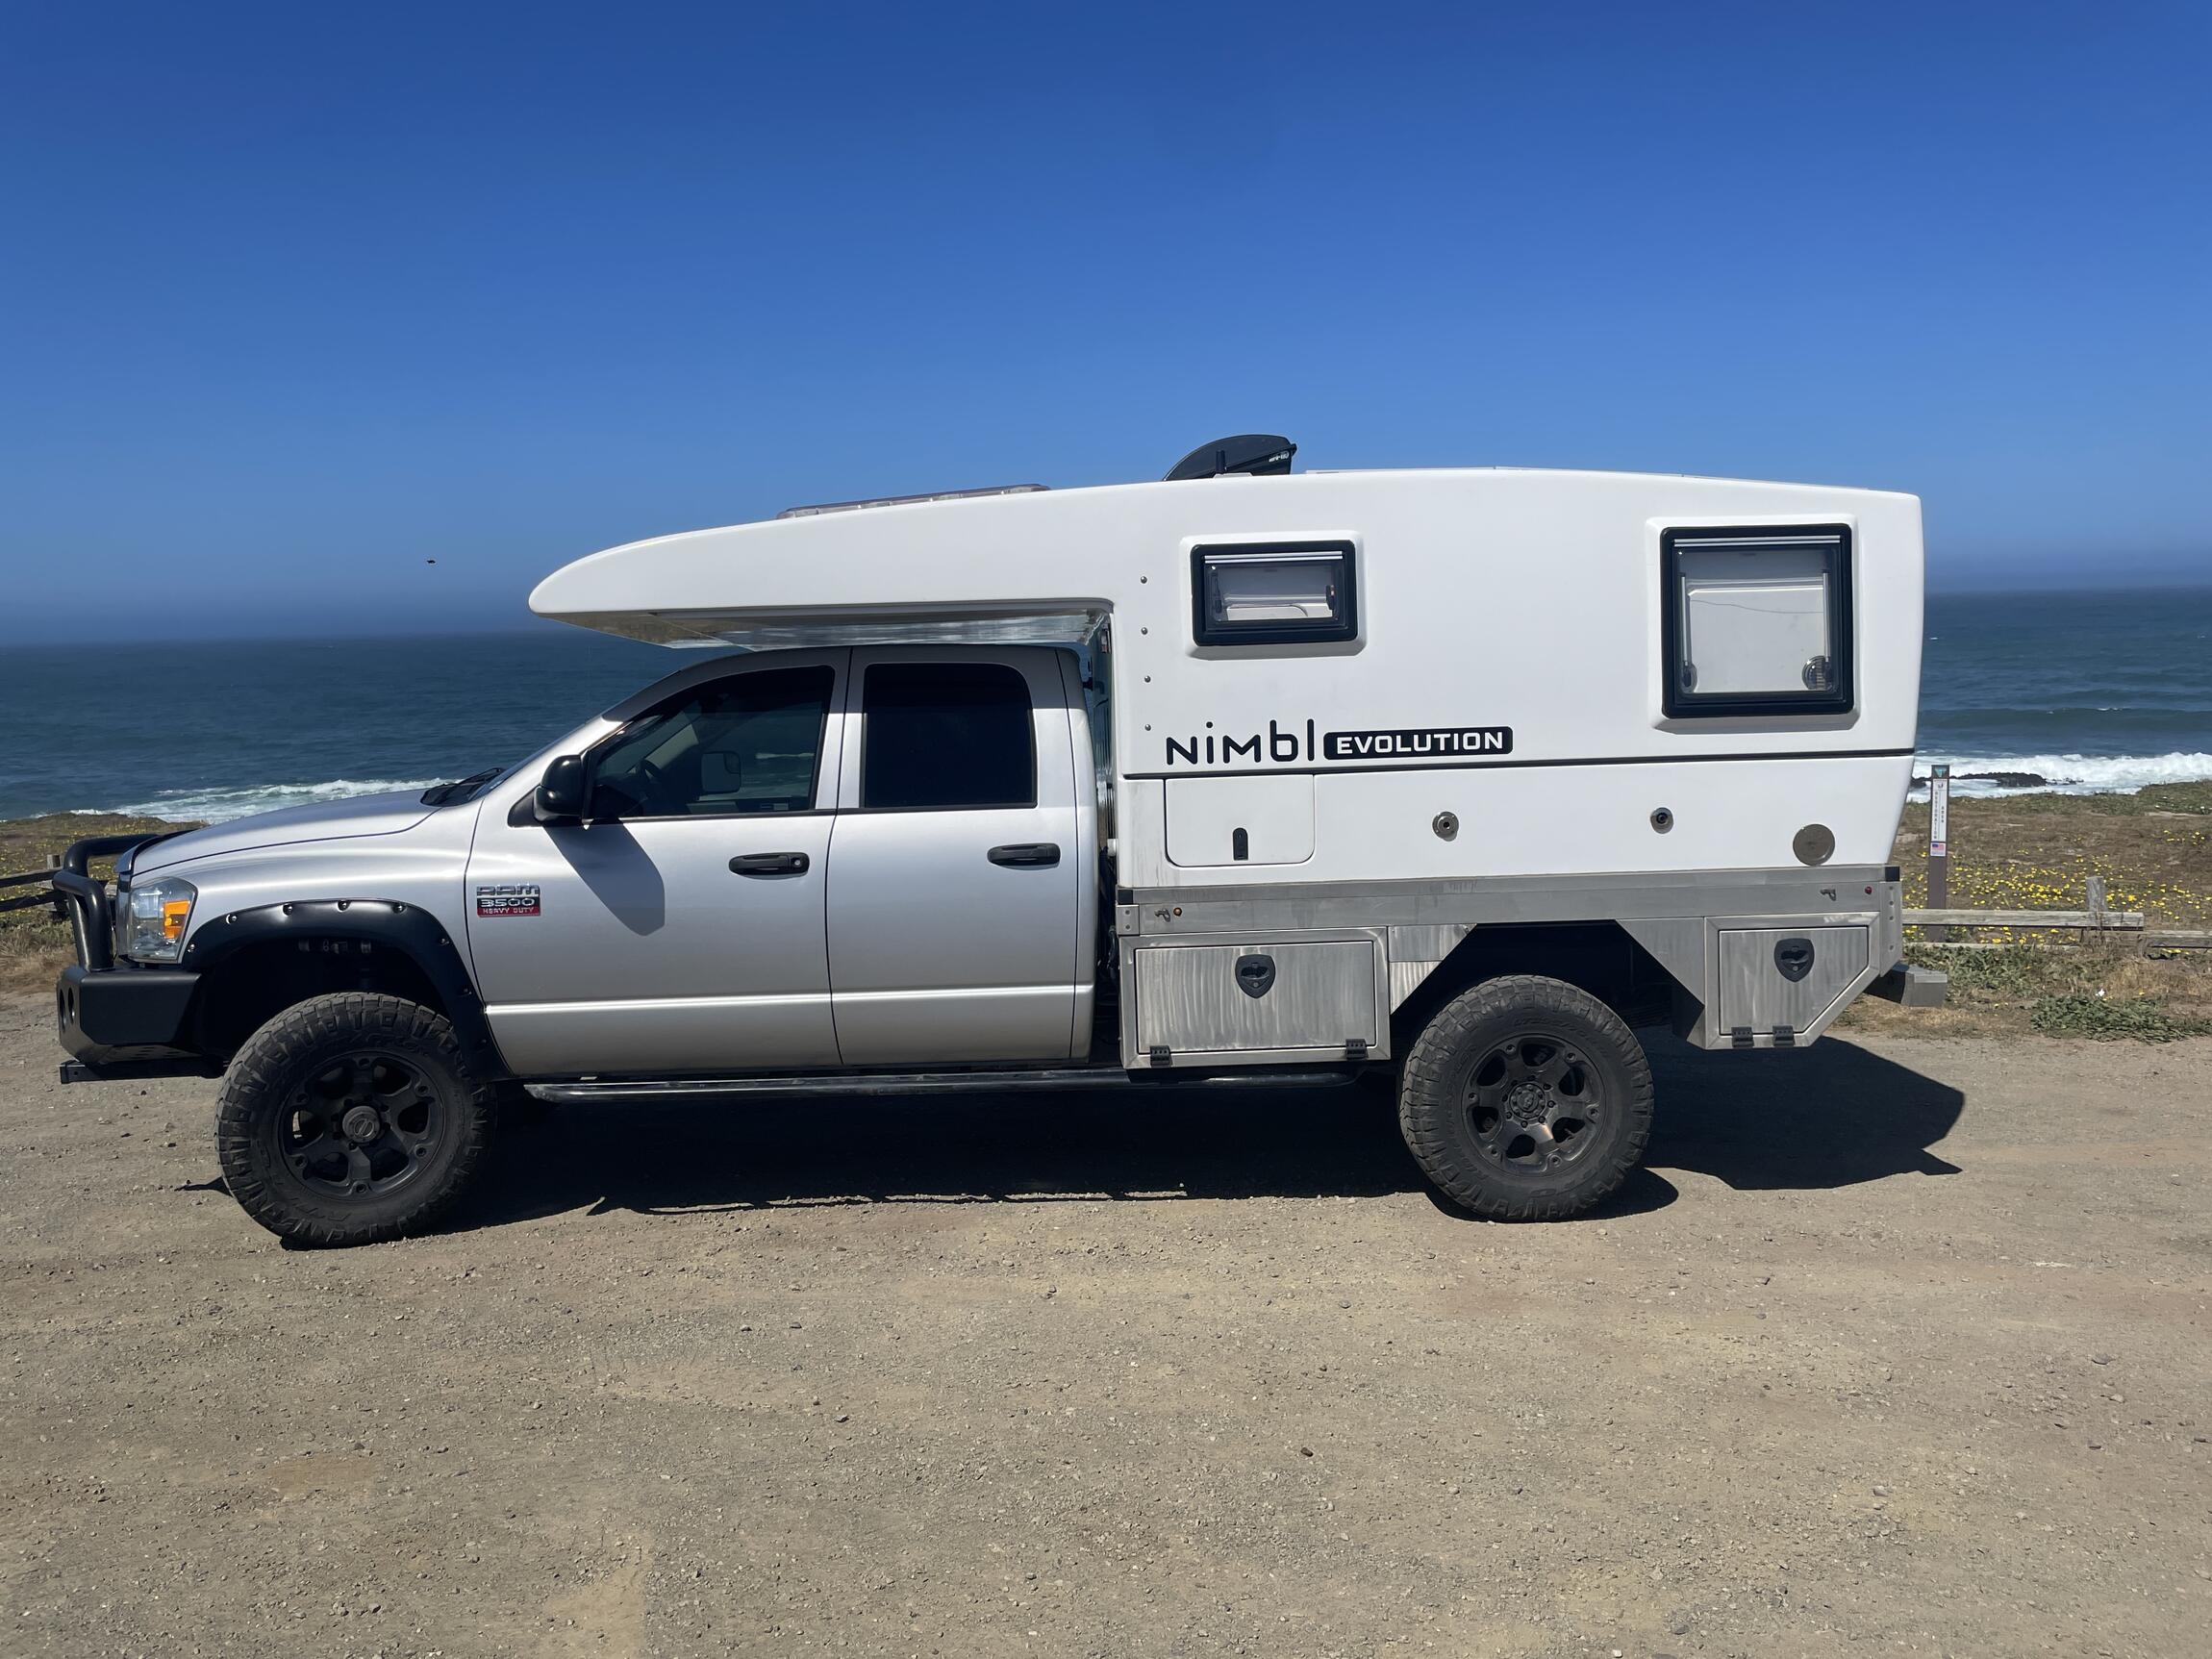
[[939, 737]]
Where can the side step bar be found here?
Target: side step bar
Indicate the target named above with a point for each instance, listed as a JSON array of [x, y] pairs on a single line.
[[926, 1083], [1911, 987]]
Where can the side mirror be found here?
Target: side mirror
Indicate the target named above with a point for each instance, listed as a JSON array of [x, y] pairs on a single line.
[[562, 792]]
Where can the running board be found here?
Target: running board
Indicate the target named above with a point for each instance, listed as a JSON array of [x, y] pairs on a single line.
[[927, 1083]]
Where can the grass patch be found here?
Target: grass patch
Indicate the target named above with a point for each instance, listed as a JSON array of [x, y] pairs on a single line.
[[2105, 1018], [2057, 990]]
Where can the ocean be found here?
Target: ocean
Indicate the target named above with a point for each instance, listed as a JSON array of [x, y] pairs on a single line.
[[2107, 690]]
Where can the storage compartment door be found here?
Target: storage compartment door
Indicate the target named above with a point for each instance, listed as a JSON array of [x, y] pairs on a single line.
[[1228, 998], [1789, 976], [1240, 821]]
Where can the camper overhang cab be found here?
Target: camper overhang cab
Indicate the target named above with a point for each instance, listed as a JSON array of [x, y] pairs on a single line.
[[1450, 777]]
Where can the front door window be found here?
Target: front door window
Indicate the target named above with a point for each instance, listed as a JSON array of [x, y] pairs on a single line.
[[747, 744]]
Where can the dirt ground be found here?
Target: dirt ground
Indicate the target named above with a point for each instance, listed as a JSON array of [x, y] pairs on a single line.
[[1898, 1343]]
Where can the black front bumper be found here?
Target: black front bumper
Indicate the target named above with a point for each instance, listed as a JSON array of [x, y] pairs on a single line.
[[128, 1022]]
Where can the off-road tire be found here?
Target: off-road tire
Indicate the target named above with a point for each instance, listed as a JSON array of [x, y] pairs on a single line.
[[289, 1061], [1462, 1144]]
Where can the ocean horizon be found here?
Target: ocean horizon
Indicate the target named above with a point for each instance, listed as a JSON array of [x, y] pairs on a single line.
[[2074, 691]]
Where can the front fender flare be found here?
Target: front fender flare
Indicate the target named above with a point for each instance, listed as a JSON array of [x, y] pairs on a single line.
[[386, 924]]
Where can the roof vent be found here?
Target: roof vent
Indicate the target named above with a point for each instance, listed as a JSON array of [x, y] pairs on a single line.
[[1262, 453]]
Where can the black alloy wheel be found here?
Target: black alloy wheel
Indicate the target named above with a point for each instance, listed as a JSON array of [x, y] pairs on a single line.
[[364, 1126], [1531, 1101]]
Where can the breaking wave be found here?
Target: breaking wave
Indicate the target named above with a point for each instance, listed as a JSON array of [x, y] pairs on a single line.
[[2063, 774], [213, 806]]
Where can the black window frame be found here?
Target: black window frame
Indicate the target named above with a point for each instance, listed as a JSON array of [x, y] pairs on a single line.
[[1843, 651], [597, 752], [972, 664], [1336, 630]]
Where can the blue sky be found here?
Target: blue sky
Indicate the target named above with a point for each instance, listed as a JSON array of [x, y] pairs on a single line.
[[294, 298]]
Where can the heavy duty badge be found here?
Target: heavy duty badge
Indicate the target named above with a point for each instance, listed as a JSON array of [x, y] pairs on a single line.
[[510, 898]]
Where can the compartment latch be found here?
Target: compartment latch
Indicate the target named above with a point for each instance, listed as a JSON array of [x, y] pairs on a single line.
[[1793, 958]]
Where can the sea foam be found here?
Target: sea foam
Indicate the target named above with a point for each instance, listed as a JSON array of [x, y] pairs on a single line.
[[2070, 774], [213, 806]]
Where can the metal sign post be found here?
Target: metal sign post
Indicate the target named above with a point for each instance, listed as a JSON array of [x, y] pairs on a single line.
[[1938, 846]]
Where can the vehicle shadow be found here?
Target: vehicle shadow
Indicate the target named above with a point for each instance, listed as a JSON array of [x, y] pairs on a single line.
[[1833, 1116]]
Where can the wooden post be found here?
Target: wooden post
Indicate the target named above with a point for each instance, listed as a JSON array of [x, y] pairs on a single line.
[[1938, 846]]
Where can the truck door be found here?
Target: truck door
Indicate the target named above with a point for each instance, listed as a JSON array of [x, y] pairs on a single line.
[[959, 891], [680, 928]]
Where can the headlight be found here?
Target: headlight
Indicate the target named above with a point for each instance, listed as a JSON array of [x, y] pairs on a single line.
[[160, 910]]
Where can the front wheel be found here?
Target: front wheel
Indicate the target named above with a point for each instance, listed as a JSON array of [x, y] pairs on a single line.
[[351, 1119], [1526, 1099]]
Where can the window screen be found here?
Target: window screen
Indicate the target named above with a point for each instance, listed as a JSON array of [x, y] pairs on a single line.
[[749, 744], [946, 735], [1275, 593], [1759, 621]]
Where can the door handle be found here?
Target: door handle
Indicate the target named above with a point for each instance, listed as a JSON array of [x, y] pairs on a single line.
[[1026, 854], [769, 864]]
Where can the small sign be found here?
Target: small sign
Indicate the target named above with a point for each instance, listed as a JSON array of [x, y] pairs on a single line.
[[510, 899], [1939, 811]]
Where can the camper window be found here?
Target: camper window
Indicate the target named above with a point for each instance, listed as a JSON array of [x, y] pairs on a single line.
[[1273, 593], [1757, 621]]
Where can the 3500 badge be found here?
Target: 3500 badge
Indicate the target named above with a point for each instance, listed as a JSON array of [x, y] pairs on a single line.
[[512, 898]]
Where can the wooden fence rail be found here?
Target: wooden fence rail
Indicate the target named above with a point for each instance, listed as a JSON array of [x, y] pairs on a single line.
[[2129, 922]]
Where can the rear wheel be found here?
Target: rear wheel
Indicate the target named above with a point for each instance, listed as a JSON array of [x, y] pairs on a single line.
[[1526, 1099], [351, 1119]]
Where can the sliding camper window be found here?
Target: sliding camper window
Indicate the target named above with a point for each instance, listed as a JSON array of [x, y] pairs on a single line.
[[1273, 593], [1757, 621]]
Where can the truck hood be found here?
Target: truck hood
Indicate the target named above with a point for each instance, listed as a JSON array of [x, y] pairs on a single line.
[[324, 820]]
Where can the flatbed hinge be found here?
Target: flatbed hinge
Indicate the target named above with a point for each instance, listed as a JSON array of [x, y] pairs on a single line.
[[1355, 1048], [1740, 1037], [1785, 1037], [1161, 1053]]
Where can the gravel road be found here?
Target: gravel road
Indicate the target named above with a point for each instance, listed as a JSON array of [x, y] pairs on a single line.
[[1899, 1344]]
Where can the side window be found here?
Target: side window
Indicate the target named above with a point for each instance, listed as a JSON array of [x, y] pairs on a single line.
[[1274, 593], [939, 735], [747, 744], [1757, 621]]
